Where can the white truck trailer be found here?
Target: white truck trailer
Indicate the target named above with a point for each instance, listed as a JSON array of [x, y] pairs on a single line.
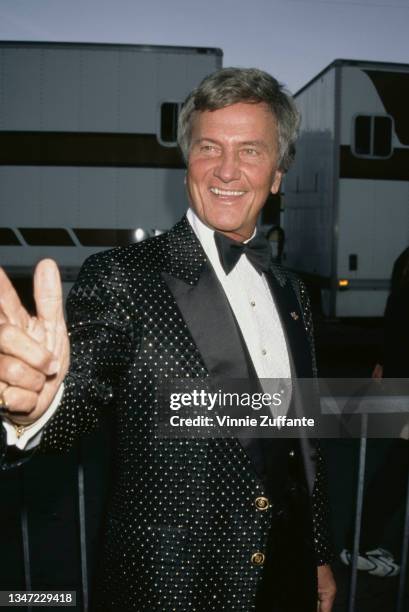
[[346, 211], [88, 155]]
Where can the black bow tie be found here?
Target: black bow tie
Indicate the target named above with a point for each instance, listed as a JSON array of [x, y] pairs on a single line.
[[257, 251]]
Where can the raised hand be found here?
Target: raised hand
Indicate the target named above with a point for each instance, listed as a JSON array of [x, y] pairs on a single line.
[[34, 351]]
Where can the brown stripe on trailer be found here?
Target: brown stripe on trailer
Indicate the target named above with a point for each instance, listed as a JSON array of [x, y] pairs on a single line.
[[18, 148], [393, 168]]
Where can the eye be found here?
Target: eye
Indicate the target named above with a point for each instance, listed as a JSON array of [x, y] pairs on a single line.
[[208, 148], [250, 152]]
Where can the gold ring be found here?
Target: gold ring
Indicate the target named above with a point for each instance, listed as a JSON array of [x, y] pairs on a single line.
[[3, 405]]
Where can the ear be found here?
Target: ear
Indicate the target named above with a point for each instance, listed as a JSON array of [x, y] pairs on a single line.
[[276, 181]]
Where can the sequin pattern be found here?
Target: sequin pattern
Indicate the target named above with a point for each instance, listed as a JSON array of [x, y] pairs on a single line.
[[182, 524]]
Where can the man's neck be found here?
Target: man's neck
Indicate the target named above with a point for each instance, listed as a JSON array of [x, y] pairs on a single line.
[[201, 228]]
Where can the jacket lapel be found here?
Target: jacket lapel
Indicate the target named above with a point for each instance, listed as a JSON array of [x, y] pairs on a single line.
[[292, 321], [208, 316], [203, 304]]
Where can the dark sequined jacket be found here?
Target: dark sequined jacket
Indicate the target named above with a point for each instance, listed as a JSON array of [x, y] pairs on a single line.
[[183, 525]]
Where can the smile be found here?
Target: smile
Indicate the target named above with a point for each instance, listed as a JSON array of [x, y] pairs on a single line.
[[226, 192]]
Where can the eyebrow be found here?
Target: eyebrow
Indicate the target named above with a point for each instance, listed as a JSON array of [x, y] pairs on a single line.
[[254, 143], [199, 140], [245, 143]]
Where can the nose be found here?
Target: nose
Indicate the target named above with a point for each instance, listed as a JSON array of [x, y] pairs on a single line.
[[227, 168]]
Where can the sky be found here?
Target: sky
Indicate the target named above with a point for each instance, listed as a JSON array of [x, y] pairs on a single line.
[[291, 39]]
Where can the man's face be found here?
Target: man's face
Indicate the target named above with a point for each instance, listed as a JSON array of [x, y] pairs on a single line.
[[232, 166]]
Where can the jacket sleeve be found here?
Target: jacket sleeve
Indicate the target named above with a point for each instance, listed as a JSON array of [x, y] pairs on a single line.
[[101, 339]]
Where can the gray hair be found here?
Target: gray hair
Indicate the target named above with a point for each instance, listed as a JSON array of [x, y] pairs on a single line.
[[232, 85]]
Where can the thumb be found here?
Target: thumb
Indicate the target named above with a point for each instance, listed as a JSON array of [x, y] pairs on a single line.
[[48, 294]]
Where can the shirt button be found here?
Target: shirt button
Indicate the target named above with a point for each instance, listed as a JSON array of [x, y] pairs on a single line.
[[253, 303], [264, 352], [258, 558], [291, 453], [261, 503]]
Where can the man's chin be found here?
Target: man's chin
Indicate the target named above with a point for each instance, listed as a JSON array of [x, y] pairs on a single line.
[[224, 224]]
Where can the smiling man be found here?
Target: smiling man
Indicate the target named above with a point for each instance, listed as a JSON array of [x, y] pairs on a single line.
[[233, 164], [235, 525]]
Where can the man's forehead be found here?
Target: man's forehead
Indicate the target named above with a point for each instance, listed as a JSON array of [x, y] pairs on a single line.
[[236, 114], [243, 106], [243, 121]]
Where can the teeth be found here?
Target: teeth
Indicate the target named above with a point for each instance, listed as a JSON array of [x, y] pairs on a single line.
[[226, 192]]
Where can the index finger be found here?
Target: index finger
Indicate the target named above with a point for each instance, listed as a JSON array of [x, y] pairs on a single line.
[[11, 308], [48, 291], [49, 299]]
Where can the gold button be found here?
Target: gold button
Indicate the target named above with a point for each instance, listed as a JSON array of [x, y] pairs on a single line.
[[258, 558], [261, 503]]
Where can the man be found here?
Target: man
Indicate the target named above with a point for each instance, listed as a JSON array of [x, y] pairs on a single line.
[[202, 524]]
